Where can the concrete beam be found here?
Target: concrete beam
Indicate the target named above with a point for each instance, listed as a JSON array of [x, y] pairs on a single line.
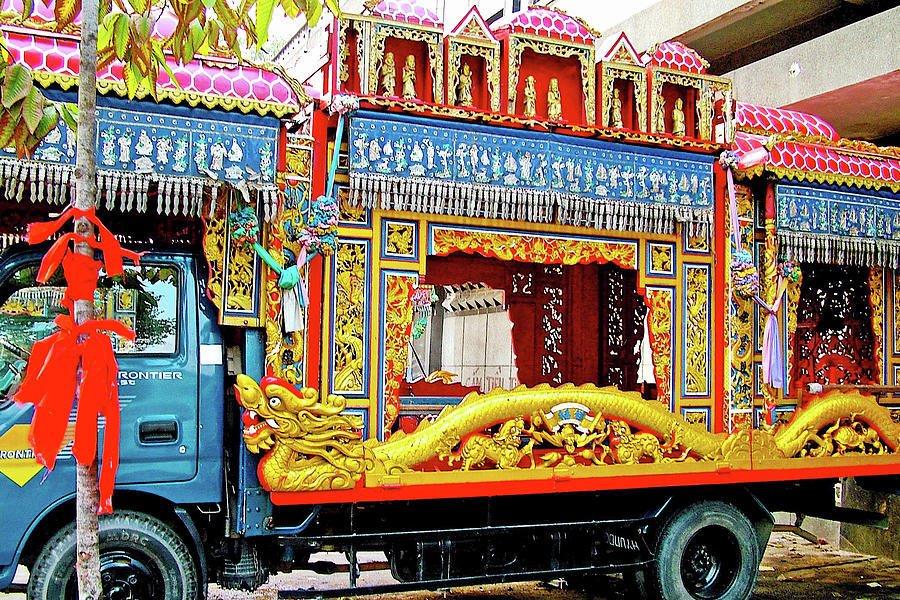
[[667, 19], [849, 77]]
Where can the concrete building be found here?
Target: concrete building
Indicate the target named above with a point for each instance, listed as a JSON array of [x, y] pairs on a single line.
[[838, 59]]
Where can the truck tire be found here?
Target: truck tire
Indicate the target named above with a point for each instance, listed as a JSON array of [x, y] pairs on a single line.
[[706, 551], [140, 557]]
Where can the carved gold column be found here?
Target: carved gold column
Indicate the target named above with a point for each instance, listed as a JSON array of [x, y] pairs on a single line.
[[742, 317], [769, 276], [660, 325], [876, 301]]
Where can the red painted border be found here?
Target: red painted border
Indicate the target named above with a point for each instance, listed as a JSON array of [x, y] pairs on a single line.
[[549, 486]]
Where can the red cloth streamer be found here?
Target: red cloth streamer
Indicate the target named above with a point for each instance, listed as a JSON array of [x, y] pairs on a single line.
[[49, 384], [52, 373], [112, 250]]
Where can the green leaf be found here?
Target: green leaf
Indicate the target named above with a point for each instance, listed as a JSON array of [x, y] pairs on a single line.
[[47, 123], [209, 3], [160, 57], [17, 84], [105, 31], [196, 35], [19, 139], [333, 7], [27, 8], [33, 108], [68, 112], [132, 76], [7, 128], [313, 12], [290, 8], [139, 6], [140, 28], [121, 35], [264, 10], [65, 12]]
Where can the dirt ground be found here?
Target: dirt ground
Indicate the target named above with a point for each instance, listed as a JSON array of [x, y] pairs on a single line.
[[792, 569]]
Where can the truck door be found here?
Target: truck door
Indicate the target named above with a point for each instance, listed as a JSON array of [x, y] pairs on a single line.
[[158, 372]]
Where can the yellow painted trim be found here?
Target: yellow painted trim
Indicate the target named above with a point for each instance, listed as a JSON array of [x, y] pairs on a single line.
[[178, 96]]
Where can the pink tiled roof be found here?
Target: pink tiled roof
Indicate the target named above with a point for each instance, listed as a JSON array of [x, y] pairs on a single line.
[[58, 54], [675, 55], [545, 22], [824, 163], [779, 120], [406, 11]]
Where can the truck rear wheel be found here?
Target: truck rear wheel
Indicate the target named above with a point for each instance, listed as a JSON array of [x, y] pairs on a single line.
[[140, 557], [706, 551]]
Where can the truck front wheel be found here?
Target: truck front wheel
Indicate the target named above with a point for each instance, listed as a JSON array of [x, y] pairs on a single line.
[[140, 557], [706, 551]]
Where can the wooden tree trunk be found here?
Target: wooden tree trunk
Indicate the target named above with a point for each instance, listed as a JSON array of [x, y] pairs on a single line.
[[88, 495]]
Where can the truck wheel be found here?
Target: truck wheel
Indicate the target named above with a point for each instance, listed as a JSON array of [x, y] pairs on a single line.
[[706, 551], [140, 557]]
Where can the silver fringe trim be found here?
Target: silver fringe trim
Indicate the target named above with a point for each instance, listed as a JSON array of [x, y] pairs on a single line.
[[519, 204], [127, 192], [834, 249]]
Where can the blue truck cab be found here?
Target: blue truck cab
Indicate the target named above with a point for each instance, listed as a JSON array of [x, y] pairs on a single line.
[[172, 399]]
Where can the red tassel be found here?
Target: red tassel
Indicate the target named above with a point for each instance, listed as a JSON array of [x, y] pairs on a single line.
[[41, 232]]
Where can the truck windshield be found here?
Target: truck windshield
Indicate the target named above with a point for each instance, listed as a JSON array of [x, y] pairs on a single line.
[[143, 298]]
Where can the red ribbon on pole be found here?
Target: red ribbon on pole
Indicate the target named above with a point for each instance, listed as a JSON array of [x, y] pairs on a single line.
[[51, 377]]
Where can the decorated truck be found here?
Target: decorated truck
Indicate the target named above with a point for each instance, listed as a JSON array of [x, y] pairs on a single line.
[[499, 301]]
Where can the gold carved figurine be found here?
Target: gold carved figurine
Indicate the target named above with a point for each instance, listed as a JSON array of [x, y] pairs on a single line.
[[389, 75], [530, 97], [678, 127], [660, 114], [465, 87], [409, 78], [615, 111], [554, 107]]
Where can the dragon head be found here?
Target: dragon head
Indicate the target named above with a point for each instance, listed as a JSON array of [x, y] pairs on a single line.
[[277, 409], [258, 430]]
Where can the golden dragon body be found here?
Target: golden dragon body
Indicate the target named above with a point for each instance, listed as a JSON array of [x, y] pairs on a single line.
[[311, 445]]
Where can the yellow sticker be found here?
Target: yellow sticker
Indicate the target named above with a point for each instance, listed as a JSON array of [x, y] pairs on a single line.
[[16, 456]]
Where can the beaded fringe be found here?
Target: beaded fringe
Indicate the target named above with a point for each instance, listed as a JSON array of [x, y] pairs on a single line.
[[821, 248], [127, 192], [522, 204]]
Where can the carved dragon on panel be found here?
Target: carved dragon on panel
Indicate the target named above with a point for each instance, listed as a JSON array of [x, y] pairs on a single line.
[[310, 444]]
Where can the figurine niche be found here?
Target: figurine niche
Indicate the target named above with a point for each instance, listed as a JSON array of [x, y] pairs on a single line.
[[464, 93], [554, 107], [409, 78], [678, 127], [389, 75], [615, 111], [530, 96]]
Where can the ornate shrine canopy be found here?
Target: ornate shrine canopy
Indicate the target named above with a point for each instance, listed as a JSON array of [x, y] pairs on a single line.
[[409, 163], [214, 82], [546, 22], [407, 11], [754, 118], [675, 55], [833, 225]]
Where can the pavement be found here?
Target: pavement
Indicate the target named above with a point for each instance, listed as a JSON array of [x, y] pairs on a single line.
[[792, 569]]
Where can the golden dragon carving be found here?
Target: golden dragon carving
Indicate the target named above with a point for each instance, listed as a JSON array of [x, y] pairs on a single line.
[[311, 445]]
